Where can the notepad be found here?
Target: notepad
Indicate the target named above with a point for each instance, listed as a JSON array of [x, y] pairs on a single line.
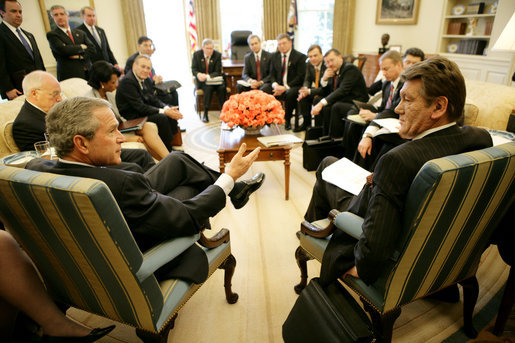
[[346, 175], [277, 140], [132, 125]]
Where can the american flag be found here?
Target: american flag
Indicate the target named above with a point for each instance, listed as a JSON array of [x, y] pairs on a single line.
[[192, 27], [292, 19]]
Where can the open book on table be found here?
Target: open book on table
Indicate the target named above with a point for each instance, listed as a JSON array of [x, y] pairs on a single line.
[[346, 175]]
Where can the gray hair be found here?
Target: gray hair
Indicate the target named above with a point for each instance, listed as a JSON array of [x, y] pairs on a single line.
[[83, 9], [141, 56], [54, 7], [33, 80], [395, 56], [251, 37], [71, 117], [207, 41]]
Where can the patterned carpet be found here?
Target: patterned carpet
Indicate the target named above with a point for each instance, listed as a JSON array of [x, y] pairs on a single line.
[[263, 242]]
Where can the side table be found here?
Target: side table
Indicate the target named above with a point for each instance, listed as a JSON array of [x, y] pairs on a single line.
[[230, 141]]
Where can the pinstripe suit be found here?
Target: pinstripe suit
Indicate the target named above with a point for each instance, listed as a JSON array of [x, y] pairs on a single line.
[[382, 205]]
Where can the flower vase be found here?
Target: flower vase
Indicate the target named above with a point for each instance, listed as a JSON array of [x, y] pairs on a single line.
[[252, 130]]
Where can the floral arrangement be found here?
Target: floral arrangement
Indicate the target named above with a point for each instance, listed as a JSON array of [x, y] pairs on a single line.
[[254, 108]]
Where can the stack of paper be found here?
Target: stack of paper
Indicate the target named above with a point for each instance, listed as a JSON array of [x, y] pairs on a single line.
[[346, 175], [277, 140]]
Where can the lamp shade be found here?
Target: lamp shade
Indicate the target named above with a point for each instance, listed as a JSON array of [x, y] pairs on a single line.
[[506, 41]]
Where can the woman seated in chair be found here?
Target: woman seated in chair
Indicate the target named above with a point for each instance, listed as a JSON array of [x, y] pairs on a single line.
[[103, 81], [21, 289]]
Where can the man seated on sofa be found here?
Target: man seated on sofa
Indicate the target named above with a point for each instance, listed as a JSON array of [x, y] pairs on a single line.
[[311, 91], [135, 98], [256, 70], [174, 198], [343, 82], [42, 92], [146, 47], [432, 100]]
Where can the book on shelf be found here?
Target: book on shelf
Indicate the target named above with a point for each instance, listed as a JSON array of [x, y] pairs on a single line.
[[456, 28], [471, 46]]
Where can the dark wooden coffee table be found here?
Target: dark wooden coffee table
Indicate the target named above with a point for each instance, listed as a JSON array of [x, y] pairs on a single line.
[[230, 141]]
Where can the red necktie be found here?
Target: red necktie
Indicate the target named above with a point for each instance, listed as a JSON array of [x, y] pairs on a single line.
[[335, 81], [389, 102], [207, 65], [70, 35], [283, 67], [258, 66]]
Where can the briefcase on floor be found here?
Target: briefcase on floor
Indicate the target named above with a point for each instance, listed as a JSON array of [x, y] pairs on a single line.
[[314, 151], [328, 315]]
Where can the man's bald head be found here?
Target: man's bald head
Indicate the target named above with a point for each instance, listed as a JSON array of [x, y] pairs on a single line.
[[42, 89]]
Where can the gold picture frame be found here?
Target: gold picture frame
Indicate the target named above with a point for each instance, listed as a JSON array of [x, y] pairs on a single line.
[[395, 12], [72, 6]]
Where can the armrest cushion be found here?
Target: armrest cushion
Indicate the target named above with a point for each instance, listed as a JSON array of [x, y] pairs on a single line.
[[349, 223], [163, 253]]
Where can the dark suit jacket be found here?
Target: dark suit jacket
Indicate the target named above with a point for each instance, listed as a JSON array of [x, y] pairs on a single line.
[[102, 52], [63, 47], [152, 217], [198, 64], [134, 102], [29, 127], [382, 206], [296, 68], [350, 85], [309, 79], [250, 68], [15, 61]]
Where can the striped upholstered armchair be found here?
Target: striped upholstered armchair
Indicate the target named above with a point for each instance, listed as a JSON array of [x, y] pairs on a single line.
[[76, 235], [453, 206]]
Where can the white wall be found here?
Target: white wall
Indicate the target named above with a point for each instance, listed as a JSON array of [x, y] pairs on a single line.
[[109, 15], [423, 35]]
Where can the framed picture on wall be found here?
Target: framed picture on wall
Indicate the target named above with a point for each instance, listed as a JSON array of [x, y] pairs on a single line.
[[397, 48], [72, 6], [397, 12]]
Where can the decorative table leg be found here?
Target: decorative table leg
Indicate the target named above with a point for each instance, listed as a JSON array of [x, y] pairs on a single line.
[[287, 174], [229, 265]]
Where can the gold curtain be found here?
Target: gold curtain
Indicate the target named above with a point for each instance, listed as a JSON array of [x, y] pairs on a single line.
[[207, 17], [135, 25], [343, 25], [275, 18]]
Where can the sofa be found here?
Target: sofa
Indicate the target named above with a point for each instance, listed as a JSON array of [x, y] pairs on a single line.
[[9, 110]]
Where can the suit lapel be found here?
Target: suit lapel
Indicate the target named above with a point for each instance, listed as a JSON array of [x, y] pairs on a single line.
[[17, 43]]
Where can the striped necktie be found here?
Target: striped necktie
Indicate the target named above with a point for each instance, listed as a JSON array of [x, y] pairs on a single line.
[[390, 97]]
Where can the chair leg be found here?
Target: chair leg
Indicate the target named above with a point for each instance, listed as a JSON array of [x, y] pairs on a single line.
[[302, 258], [470, 293], [150, 337], [229, 265], [507, 301], [383, 324]]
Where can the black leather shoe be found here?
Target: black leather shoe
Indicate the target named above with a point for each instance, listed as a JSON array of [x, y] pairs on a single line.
[[243, 189], [93, 336], [287, 126], [205, 118]]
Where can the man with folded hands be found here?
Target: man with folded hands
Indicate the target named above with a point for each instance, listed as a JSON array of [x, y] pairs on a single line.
[[432, 100], [173, 199]]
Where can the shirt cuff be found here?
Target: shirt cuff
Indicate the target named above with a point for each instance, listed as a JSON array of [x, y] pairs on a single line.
[[323, 83], [323, 102], [371, 130], [275, 84], [162, 110], [225, 182]]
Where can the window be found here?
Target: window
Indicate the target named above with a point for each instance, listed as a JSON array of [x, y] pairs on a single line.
[[315, 24], [240, 15]]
